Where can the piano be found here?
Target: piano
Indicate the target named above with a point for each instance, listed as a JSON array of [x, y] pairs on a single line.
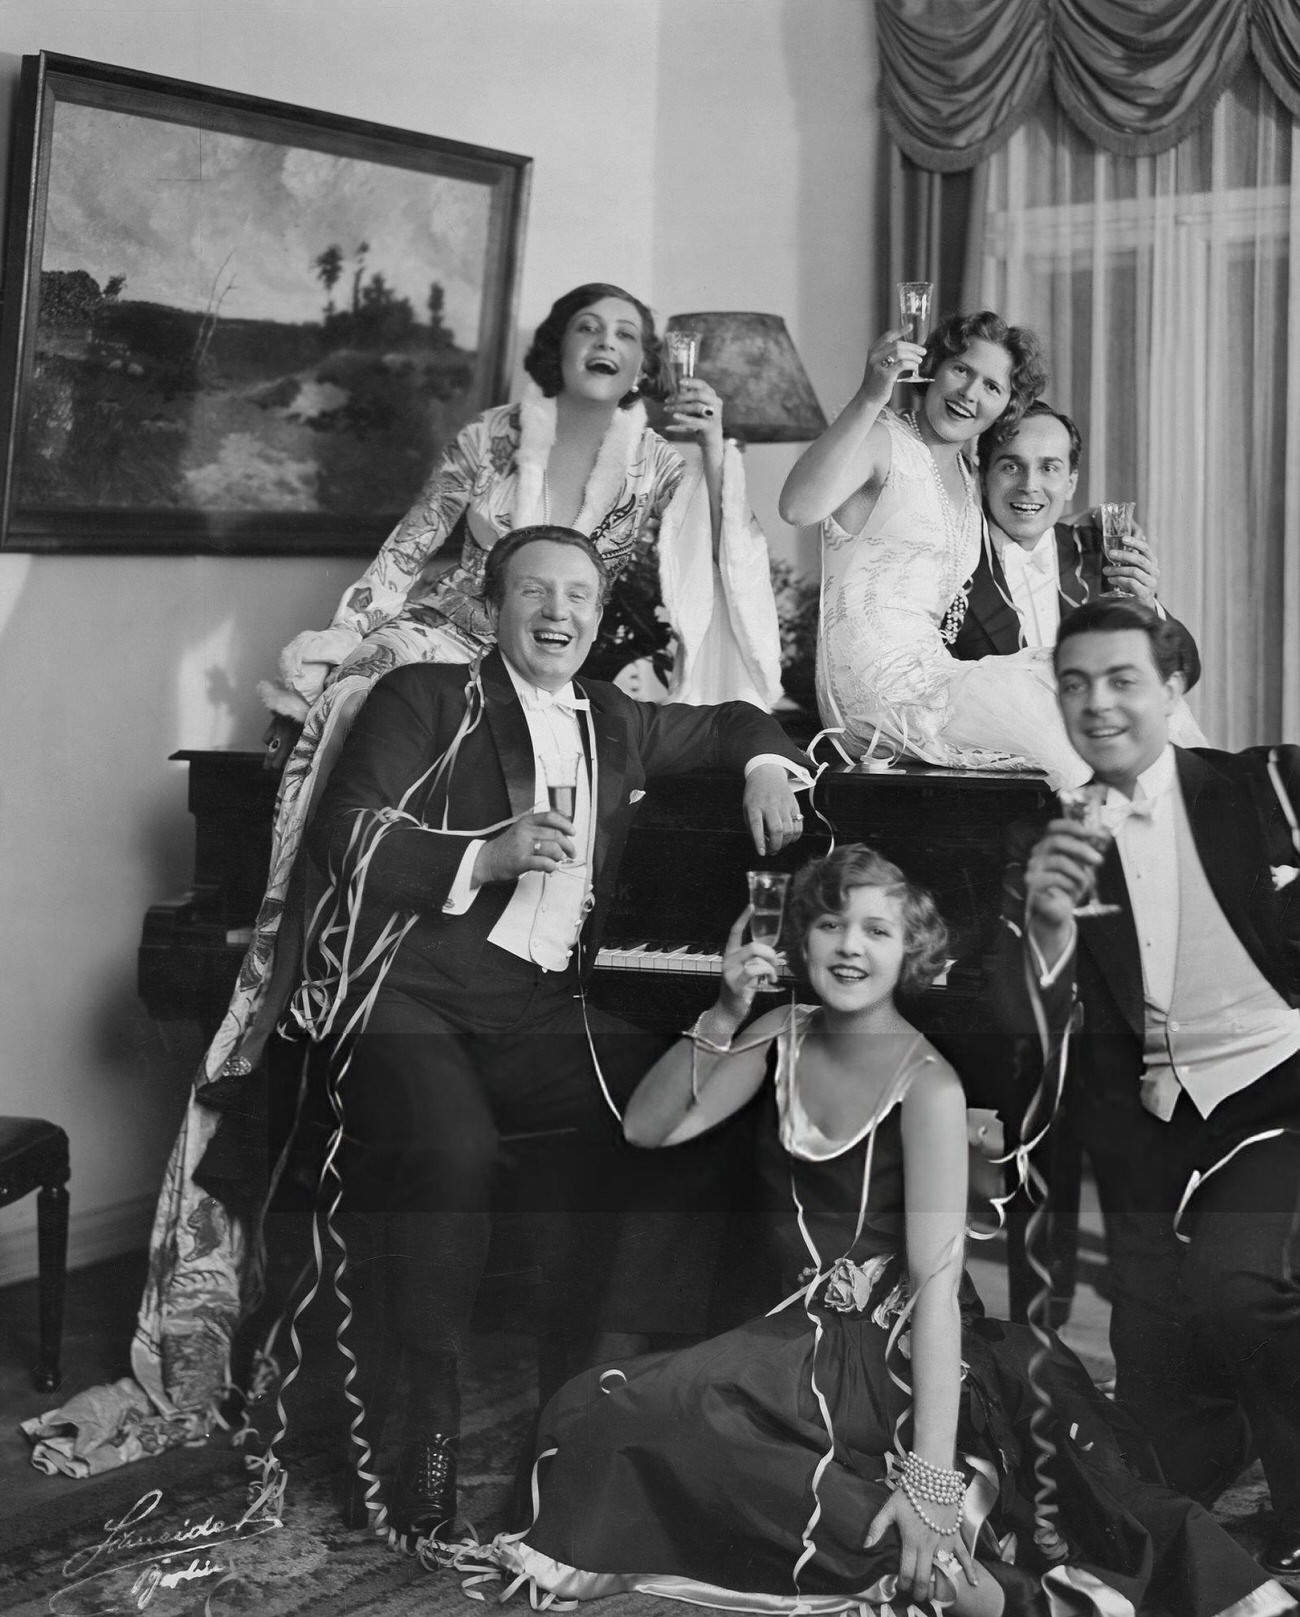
[[681, 884], [680, 887]]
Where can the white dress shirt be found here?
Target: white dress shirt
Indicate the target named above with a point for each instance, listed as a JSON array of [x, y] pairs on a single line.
[[1148, 855], [555, 729], [1033, 582]]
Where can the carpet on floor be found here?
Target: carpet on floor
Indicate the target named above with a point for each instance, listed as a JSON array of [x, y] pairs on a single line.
[[149, 1538]]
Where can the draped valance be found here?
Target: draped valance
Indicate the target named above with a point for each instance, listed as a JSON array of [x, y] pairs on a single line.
[[958, 76]]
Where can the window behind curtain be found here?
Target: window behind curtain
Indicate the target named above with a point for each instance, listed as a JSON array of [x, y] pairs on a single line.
[[1167, 292]]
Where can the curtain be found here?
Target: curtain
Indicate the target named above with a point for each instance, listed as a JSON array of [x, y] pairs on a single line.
[[933, 230], [1167, 291], [957, 77]]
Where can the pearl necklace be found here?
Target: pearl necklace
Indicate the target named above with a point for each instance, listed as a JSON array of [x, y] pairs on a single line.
[[955, 525]]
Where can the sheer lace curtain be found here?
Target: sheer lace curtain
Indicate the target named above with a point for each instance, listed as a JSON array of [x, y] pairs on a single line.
[[1167, 290]]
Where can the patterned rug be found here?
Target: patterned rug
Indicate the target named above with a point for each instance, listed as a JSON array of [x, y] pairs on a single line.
[[165, 1536]]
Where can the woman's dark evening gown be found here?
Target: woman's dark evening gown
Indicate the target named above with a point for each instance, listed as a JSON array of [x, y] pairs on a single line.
[[743, 1473]]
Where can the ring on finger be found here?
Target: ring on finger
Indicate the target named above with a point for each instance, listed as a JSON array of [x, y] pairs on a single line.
[[537, 846]]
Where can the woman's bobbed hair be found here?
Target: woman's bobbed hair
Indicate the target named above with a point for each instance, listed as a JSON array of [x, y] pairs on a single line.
[[954, 334], [542, 361], [823, 886]]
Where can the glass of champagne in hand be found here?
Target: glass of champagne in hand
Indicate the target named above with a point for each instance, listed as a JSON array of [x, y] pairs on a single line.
[[1116, 526], [561, 772], [1083, 806], [683, 351], [767, 890], [914, 317]]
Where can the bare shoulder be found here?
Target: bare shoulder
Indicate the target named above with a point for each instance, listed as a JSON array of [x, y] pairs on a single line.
[[934, 1087]]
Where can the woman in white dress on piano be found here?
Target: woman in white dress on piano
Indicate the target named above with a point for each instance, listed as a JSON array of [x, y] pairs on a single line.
[[898, 499]]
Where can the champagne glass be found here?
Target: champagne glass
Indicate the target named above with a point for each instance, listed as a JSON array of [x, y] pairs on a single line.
[[561, 774], [1116, 526], [914, 317], [1083, 806], [767, 890], [683, 351]]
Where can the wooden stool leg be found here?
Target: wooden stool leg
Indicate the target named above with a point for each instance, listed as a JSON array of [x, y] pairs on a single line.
[[52, 1247]]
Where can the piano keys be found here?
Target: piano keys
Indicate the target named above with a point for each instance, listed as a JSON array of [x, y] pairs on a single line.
[[685, 960], [680, 887]]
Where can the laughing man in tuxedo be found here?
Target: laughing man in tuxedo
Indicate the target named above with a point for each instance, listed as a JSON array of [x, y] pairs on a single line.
[[433, 824], [1033, 567], [1185, 1058]]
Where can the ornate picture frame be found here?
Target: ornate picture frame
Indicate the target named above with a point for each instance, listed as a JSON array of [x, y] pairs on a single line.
[[232, 325]]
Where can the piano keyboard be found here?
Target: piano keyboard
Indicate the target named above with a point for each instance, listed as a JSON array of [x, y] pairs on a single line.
[[665, 959], [682, 960], [685, 960]]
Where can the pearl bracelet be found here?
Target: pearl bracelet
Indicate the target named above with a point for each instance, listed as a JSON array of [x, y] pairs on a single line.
[[932, 1482], [924, 1515]]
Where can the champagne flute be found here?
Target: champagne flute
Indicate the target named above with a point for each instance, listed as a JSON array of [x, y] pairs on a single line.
[[561, 774], [767, 891], [1083, 806], [683, 351], [1116, 526], [914, 316]]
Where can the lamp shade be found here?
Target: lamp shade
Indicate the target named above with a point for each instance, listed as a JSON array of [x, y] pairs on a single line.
[[752, 362]]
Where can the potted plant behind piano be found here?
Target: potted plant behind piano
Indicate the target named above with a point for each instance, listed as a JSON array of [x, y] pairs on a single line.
[[797, 597]]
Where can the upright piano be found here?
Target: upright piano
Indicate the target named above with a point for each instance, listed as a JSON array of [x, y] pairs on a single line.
[[680, 887]]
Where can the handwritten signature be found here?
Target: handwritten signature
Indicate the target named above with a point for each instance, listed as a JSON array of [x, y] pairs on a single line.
[[96, 1586], [154, 1578]]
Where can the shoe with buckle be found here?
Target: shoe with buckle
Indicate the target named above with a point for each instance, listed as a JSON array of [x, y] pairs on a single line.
[[423, 1502], [1281, 1554]]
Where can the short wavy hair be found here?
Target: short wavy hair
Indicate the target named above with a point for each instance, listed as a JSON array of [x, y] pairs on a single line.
[[1002, 432], [542, 361], [954, 334], [823, 886], [1109, 614], [509, 545]]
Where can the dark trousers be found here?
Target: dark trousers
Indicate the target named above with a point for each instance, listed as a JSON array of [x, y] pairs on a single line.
[[432, 1083], [1206, 1331]]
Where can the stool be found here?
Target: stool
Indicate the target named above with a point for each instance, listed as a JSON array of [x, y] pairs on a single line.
[[34, 1157]]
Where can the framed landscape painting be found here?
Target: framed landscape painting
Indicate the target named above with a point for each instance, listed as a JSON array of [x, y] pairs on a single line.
[[234, 325]]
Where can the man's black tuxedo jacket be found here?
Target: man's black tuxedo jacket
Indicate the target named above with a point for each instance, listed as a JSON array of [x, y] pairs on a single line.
[[409, 720], [1242, 835], [991, 627]]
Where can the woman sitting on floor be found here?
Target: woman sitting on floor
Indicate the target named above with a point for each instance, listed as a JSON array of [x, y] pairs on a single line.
[[874, 1439]]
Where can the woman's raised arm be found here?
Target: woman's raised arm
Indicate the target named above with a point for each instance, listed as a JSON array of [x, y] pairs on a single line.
[[853, 453], [701, 1080]]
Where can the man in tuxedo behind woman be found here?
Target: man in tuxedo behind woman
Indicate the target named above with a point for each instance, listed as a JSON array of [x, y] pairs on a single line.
[[1034, 567], [435, 820], [1181, 1009]]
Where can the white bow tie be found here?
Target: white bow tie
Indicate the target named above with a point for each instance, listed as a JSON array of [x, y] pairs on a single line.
[[1115, 813], [536, 700], [1042, 559]]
